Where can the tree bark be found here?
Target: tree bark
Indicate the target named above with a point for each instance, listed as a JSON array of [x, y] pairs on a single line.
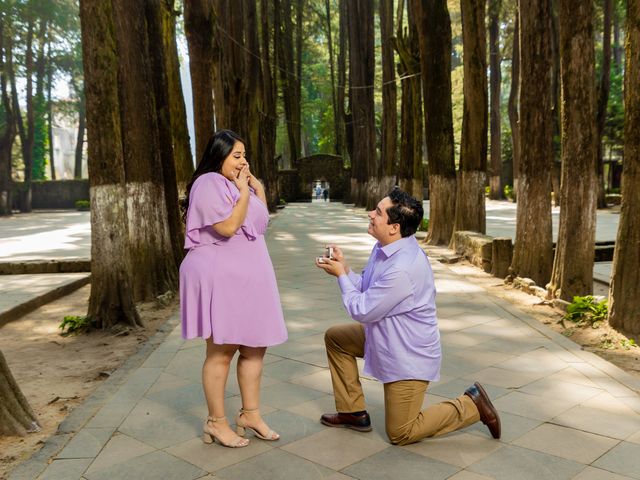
[[573, 263], [7, 135], [470, 210], [434, 32], [343, 51], [603, 97], [82, 115], [361, 75], [410, 160], [624, 303], [161, 36], [514, 96], [199, 21], [182, 155], [16, 415], [389, 97], [495, 183], [532, 255], [154, 265], [269, 118], [111, 299], [334, 93], [555, 102]]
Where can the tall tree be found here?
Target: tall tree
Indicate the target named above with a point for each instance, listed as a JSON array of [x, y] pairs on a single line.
[[410, 160], [154, 265], [361, 76], [604, 85], [7, 120], [624, 303], [434, 32], [573, 264], [199, 21], [389, 125], [470, 211], [334, 91], [495, 81], [16, 416], [532, 256], [514, 96], [111, 299], [343, 52]]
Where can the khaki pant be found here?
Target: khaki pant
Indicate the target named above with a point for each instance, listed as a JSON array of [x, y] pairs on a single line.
[[405, 422]]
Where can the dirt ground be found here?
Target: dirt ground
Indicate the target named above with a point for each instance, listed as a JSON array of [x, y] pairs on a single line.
[[57, 373]]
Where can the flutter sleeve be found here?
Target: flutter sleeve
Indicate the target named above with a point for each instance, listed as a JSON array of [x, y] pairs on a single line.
[[210, 201]]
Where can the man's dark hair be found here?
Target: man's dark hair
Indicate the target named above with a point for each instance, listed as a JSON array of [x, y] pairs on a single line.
[[406, 211]]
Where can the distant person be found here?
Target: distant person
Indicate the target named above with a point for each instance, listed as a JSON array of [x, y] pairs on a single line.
[[325, 194], [396, 331], [318, 192], [228, 291]]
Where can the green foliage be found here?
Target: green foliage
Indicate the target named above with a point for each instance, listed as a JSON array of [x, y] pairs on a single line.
[[41, 139], [83, 205], [508, 191], [587, 310], [282, 201], [75, 324], [487, 191], [424, 225]]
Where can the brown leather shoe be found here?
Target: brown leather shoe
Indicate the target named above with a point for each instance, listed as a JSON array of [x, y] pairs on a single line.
[[361, 423], [488, 413]]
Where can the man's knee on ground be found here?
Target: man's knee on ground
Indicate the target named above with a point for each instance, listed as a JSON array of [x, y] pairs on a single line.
[[399, 435]]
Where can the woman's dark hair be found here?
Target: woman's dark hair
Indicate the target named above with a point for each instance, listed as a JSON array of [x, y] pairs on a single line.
[[218, 148], [406, 211]]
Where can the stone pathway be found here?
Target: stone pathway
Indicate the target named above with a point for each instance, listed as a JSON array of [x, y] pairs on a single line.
[[566, 414]]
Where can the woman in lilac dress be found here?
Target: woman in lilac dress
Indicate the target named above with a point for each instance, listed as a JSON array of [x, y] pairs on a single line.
[[228, 291]]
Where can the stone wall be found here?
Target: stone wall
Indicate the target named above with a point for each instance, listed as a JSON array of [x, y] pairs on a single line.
[[297, 184], [59, 193]]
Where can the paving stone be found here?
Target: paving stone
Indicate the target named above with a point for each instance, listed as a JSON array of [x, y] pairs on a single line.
[[532, 406], [599, 421], [286, 394], [591, 473], [336, 448], [512, 462], [622, 459], [459, 448], [567, 443], [120, 448], [396, 462], [275, 464], [65, 469], [152, 466], [87, 443]]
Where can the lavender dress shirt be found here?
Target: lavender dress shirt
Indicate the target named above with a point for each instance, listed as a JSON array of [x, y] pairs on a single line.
[[394, 299]]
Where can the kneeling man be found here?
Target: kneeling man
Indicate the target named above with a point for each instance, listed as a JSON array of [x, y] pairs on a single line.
[[393, 303]]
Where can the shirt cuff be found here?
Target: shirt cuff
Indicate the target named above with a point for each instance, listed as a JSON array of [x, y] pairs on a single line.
[[345, 283]]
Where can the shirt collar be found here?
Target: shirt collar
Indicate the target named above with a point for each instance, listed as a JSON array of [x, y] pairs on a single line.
[[393, 247]]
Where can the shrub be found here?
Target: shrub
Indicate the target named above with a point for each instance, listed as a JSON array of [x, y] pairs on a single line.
[[587, 310], [424, 225], [83, 205], [508, 192], [75, 324]]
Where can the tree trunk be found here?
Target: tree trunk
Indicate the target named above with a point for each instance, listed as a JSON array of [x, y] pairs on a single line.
[[182, 155], [573, 264], [50, 114], [332, 69], [514, 96], [555, 102], [160, 36], [40, 106], [410, 161], [154, 266], [389, 98], [361, 75], [343, 51], [16, 416], [434, 32], [297, 106], [7, 135], [624, 302], [199, 21], [470, 211], [111, 299], [495, 183], [603, 97], [532, 256], [25, 132], [82, 115], [268, 123]]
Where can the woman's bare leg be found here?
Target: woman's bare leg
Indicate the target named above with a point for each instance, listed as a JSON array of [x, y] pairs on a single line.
[[250, 363]]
